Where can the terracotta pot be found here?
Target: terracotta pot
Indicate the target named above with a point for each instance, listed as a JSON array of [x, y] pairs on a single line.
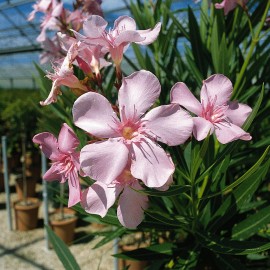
[[31, 187], [26, 215], [132, 265], [64, 228]]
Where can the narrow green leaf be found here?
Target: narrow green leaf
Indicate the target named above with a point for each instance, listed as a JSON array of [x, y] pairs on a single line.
[[242, 194], [226, 246], [197, 161], [228, 262], [139, 55], [252, 224], [254, 110], [172, 191], [181, 28], [247, 174], [62, 251], [154, 252], [114, 234]]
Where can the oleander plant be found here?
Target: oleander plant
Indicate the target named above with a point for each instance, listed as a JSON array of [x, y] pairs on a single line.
[[161, 126]]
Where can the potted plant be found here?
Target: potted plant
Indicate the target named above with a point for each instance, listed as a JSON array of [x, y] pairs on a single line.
[[132, 242], [31, 176], [63, 220], [26, 208]]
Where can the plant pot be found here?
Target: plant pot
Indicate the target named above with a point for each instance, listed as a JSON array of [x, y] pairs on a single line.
[[131, 242], [132, 265], [31, 187], [64, 228], [26, 215]]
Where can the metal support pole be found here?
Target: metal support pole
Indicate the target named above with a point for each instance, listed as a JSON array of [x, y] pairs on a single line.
[[5, 163], [45, 198], [115, 251]]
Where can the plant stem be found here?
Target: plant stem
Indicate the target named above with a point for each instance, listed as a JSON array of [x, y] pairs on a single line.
[[254, 42], [24, 168], [62, 191]]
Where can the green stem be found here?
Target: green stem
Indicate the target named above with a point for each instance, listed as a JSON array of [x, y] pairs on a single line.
[[194, 204], [203, 186], [180, 209], [62, 191], [254, 42]]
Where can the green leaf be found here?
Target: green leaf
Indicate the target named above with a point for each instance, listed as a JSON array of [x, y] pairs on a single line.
[[252, 224], [175, 20], [139, 56], [254, 111], [226, 246], [172, 191], [154, 252], [241, 195], [247, 174], [198, 158], [228, 262], [114, 234], [62, 251]]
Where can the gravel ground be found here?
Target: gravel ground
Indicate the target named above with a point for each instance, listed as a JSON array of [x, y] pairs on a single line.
[[27, 250]]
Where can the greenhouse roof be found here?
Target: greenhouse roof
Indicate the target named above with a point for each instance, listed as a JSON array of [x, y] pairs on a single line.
[[19, 49]]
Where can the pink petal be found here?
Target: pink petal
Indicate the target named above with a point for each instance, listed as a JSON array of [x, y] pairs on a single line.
[[167, 184], [52, 97], [201, 128], [178, 123], [94, 26], [53, 174], [73, 82], [132, 204], [216, 88], [227, 132], [67, 139], [98, 198], [104, 161], [124, 23], [181, 94], [228, 5], [238, 113], [48, 145], [151, 164], [150, 35], [93, 113], [127, 37], [138, 93], [74, 189], [57, 10]]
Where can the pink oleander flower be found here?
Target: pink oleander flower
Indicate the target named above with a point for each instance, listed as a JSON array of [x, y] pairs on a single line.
[[63, 75], [40, 6], [229, 5], [51, 50], [90, 58], [98, 198], [134, 135], [215, 112], [51, 20], [117, 40], [75, 19], [92, 7], [65, 159]]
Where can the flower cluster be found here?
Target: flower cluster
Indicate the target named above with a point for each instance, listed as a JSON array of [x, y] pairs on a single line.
[[129, 154]]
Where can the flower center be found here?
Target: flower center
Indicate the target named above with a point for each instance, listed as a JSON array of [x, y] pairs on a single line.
[[127, 133], [214, 113]]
